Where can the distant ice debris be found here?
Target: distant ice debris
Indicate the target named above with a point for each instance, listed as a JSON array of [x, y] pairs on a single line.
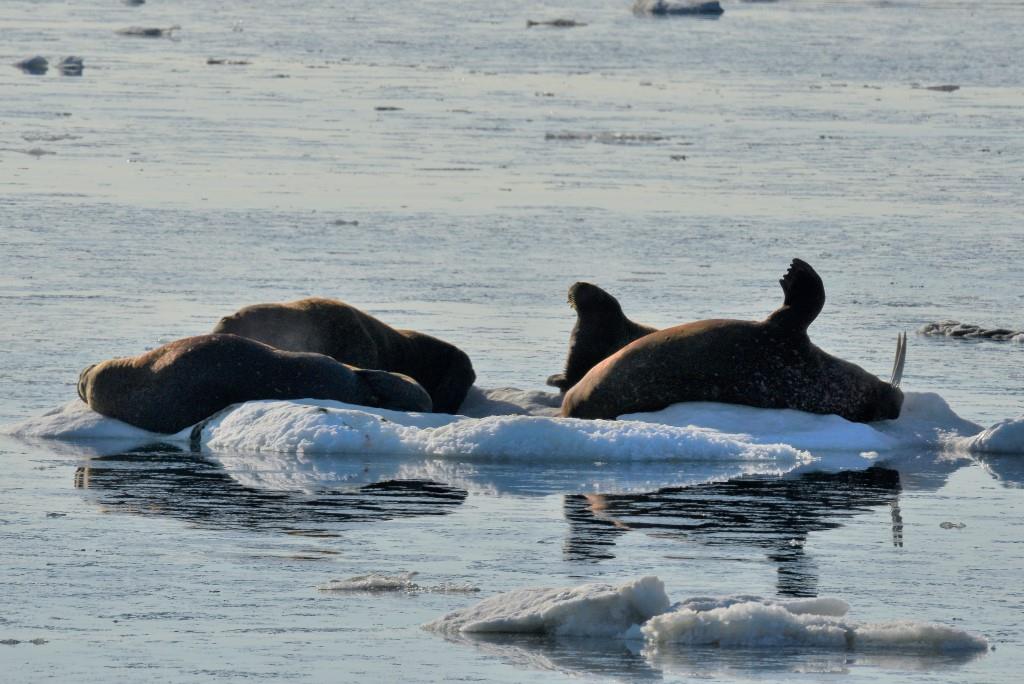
[[147, 31], [398, 582], [678, 7], [640, 609], [373, 582], [969, 331], [554, 23], [608, 137]]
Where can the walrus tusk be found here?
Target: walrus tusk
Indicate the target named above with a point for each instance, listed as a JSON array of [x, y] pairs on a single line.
[[901, 359]]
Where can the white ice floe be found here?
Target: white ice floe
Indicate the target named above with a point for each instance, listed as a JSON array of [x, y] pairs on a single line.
[[640, 610], [592, 610], [312, 427], [76, 421], [926, 420], [515, 424], [759, 624]]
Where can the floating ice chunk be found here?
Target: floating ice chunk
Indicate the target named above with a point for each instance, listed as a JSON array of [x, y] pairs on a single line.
[[811, 606], [592, 610], [640, 609], [76, 421], [969, 331], [758, 624], [402, 581], [1005, 437]]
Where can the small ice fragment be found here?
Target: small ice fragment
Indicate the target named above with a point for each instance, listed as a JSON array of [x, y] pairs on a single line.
[[373, 582]]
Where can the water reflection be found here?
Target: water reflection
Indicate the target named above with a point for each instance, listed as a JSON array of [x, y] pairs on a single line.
[[767, 513], [1007, 469], [165, 480], [572, 656], [637, 661]]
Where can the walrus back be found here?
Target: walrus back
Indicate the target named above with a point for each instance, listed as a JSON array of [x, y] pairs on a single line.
[[683, 363], [353, 337]]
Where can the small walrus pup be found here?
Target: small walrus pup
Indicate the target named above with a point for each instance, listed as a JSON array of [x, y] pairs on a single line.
[[768, 364], [348, 335], [601, 330], [183, 382]]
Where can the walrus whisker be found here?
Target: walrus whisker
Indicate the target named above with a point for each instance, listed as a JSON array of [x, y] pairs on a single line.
[[900, 360]]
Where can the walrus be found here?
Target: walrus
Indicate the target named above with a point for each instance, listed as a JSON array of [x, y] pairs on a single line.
[[768, 364], [601, 330], [348, 335], [179, 384]]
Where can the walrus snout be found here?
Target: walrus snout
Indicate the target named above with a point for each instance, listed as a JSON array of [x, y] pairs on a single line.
[[82, 379], [586, 295], [888, 403]]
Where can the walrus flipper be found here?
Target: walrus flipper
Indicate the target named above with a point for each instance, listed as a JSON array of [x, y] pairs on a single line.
[[560, 381], [805, 296]]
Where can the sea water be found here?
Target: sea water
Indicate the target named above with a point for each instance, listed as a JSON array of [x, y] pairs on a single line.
[[446, 168]]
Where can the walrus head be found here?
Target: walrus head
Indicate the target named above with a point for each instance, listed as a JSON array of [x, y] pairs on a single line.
[[83, 388], [444, 370], [587, 297], [394, 391]]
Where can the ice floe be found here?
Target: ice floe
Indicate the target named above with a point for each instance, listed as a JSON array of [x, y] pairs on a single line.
[[640, 609], [516, 424], [591, 610]]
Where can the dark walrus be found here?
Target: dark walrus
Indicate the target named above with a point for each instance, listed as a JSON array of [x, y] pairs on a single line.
[[183, 382], [769, 364], [601, 330], [343, 332]]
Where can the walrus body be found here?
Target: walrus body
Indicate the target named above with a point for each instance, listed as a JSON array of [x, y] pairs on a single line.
[[768, 364], [183, 382], [348, 335], [601, 330]]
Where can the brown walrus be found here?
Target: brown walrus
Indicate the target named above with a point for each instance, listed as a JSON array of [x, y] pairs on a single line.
[[179, 384], [768, 364], [343, 332], [601, 330]]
